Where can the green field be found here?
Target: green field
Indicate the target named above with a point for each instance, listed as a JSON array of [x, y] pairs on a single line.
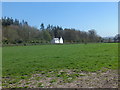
[[26, 60]]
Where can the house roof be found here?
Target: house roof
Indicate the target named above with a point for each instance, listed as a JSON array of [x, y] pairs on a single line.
[[55, 39]]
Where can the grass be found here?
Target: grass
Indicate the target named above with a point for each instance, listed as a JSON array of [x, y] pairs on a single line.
[[22, 61]]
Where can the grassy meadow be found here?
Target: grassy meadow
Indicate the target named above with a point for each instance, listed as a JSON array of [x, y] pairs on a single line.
[[19, 62]]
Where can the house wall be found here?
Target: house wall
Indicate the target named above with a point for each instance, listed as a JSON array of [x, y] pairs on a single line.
[[61, 40], [57, 41]]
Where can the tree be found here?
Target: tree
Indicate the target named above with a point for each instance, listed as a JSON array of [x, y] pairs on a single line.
[[42, 26], [92, 35], [48, 27], [46, 36], [117, 38], [15, 31], [16, 22]]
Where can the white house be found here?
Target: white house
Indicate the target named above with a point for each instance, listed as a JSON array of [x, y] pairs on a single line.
[[61, 40], [57, 40]]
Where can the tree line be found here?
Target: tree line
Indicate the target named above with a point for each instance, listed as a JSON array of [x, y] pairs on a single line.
[[18, 32]]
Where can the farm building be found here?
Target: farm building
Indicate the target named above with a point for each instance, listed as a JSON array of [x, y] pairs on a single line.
[[57, 40]]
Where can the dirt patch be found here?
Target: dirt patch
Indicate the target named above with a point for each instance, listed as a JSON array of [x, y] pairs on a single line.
[[69, 79]]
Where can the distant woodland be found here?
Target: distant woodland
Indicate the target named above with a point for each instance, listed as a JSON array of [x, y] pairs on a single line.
[[16, 32]]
